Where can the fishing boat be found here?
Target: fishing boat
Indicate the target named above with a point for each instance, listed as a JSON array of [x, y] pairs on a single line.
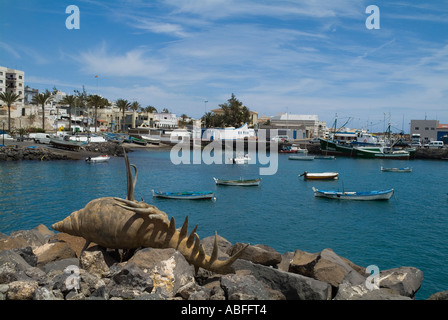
[[325, 157], [136, 140], [355, 195], [301, 157], [65, 143], [238, 182], [102, 158], [319, 176], [185, 195], [407, 169], [150, 139], [292, 149], [240, 159]]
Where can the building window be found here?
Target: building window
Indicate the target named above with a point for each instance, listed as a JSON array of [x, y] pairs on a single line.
[[417, 128], [426, 128], [20, 77], [432, 129]]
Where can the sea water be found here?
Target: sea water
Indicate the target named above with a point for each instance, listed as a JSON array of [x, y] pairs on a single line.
[[410, 229]]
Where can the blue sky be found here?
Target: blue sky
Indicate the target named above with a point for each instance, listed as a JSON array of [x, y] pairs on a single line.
[[296, 56]]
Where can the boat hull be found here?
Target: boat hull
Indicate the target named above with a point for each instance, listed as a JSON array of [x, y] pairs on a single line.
[[320, 176], [97, 159], [407, 169], [242, 183], [372, 152], [198, 195], [361, 196], [306, 158]]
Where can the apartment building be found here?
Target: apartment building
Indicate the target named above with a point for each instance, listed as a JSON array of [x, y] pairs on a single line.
[[12, 80]]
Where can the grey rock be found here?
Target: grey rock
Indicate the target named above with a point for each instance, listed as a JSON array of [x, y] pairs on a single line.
[[243, 287], [293, 286]]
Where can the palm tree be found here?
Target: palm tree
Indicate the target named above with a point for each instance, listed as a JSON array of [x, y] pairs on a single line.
[[135, 106], [43, 99], [71, 101], [96, 101], [123, 105], [9, 98]]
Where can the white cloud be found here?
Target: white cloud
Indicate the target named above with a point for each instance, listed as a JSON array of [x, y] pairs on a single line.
[[134, 63]]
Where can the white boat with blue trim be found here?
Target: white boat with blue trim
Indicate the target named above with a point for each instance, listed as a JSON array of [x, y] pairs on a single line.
[[355, 195]]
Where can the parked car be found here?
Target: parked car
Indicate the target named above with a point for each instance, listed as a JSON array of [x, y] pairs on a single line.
[[314, 140], [434, 144], [281, 138]]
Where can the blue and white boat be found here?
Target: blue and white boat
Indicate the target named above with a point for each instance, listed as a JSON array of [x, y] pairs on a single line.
[[185, 195], [355, 195]]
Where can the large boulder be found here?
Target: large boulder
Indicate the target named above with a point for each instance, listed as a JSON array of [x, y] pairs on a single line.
[[168, 268], [243, 287], [347, 291], [50, 252], [325, 266], [405, 281], [260, 254], [292, 286]]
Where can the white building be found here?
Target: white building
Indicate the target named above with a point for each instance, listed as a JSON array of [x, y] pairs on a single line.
[[229, 133], [308, 124], [165, 120], [12, 80]]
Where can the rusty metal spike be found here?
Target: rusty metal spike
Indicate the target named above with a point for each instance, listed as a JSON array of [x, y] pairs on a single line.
[[191, 237], [214, 255], [195, 249], [172, 226], [184, 230], [201, 254]]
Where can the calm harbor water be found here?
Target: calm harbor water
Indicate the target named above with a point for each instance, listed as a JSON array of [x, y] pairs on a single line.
[[408, 230]]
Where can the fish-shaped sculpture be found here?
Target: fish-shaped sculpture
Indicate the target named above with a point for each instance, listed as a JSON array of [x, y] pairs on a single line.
[[117, 223]]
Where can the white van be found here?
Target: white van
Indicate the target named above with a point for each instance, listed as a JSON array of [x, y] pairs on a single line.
[[434, 144], [42, 138]]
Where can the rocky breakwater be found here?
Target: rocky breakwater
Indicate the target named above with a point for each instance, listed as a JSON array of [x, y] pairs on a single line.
[[38, 264], [45, 153]]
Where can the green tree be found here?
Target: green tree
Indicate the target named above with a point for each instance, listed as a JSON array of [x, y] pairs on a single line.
[[123, 105], [235, 113], [42, 99], [96, 102], [9, 98]]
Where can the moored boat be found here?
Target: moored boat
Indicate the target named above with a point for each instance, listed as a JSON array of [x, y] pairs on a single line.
[[240, 159], [102, 158], [238, 182], [406, 169], [319, 176], [184, 195], [355, 195], [304, 157]]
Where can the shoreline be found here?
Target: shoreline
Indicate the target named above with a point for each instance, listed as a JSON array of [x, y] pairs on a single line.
[[29, 150]]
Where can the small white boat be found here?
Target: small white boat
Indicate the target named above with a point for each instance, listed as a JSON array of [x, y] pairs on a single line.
[[355, 195], [151, 139], [238, 182], [103, 158], [301, 158], [319, 176], [240, 159], [407, 169]]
